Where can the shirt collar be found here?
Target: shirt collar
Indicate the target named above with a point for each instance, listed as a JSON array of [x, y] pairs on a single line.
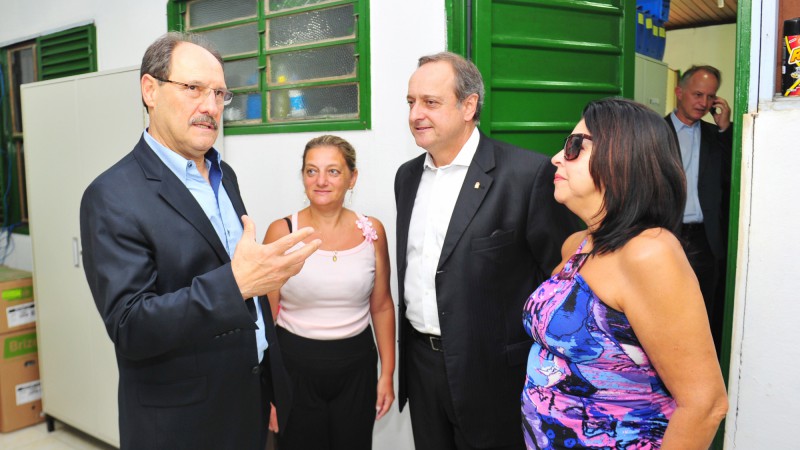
[[680, 125], [464, 156], [174, 161]]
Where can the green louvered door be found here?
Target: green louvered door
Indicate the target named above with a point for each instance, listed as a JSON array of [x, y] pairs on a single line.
[[543, 60]]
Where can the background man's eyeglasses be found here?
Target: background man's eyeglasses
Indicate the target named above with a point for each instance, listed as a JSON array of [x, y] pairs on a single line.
[[222, 96]]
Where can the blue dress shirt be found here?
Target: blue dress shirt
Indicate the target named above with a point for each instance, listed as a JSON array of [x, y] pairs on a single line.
[[689, 142], [215, 203]]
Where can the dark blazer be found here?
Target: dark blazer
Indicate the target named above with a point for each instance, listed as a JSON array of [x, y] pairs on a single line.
[[189, 376], [503, 240], [714, 183]]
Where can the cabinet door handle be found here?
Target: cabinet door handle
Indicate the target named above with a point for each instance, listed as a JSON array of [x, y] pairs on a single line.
[[76, 252]]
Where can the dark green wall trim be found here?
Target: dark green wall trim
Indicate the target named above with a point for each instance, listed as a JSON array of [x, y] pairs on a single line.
[[744, 41], [628, 68], [175, 10], [456, 18], [741, 95]]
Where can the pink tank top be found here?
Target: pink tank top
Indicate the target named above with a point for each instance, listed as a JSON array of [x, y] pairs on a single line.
[[329, 298]]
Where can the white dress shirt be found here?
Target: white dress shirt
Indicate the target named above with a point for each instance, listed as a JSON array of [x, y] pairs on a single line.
[[433, 207]]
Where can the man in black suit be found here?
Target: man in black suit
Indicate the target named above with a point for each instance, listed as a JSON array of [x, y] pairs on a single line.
[[174, 283], [706, 154], [477, 231]]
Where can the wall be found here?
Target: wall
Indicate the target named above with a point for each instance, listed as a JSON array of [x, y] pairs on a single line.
[[764, 352], [714, 45], [268, 166], [124, 29]]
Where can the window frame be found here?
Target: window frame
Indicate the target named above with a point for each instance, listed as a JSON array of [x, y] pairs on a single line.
[[176, 13], [13, 201]]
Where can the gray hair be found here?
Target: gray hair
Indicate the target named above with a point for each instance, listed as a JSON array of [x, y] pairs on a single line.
[[157, 60], [713, 71], [468, 78]]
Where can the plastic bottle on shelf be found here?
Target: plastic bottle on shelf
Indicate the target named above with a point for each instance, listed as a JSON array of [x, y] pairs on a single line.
[[281, 98], [297, 104]]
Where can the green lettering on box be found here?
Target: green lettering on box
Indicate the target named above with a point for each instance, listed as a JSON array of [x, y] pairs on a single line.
[[20, 345], [18, 293]]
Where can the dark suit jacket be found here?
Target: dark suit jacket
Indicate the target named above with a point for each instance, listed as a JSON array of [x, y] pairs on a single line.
[[189, 376], [503, 240], [714, 183]]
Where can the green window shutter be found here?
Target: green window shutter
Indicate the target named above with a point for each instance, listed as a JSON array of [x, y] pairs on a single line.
[[69, 52]]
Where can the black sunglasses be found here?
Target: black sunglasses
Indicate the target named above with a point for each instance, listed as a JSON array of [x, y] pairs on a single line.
[[573, 145]]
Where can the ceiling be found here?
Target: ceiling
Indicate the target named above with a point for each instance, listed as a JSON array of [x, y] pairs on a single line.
[[699, 13]]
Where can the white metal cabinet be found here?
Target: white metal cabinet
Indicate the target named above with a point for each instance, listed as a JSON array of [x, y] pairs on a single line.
[[75, 128], [650, 87]]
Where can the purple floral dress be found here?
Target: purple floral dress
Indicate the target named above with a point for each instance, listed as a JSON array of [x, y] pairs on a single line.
[[589, 383]]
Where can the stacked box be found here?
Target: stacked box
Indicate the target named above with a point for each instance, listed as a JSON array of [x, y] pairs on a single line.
[[20, 390], [17, 310]]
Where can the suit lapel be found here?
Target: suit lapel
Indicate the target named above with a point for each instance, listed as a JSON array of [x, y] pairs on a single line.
[[175, 193], [705, 147], [476, 185], [406, 195], [233, 194]]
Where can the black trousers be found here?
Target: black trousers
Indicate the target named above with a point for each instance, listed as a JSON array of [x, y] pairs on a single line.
[[710, 273], [335, 390], [433, 419]]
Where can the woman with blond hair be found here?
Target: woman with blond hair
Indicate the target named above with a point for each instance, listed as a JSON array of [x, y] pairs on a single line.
[[323, 313]]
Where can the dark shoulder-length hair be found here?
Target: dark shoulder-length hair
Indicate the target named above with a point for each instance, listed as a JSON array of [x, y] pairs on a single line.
[[636, 160]]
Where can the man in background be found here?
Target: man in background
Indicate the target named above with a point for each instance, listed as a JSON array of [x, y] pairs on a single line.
[[706, 153]]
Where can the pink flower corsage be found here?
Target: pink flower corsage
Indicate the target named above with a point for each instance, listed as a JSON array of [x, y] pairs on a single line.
[[365, 226]]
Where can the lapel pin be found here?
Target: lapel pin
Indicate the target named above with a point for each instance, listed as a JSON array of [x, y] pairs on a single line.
[[477, 185]]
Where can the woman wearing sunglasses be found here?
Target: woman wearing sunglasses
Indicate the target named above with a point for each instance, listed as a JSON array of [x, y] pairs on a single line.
[[623, 356]]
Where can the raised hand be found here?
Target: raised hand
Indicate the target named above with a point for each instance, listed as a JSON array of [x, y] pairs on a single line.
[[721, 113], [259, 268]]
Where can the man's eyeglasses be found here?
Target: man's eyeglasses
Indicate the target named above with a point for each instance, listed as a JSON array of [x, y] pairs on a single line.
[[195, 91], [574, 144]]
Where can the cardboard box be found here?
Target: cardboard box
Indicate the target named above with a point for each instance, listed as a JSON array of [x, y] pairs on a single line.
[[17, 310], [20, 390]]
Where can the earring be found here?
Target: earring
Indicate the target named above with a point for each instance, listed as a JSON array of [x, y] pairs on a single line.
[[349, 200], [305, 199]]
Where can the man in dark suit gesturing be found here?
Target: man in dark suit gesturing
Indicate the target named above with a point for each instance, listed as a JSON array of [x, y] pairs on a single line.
[[174, 271], [706, 154], [477, 230]]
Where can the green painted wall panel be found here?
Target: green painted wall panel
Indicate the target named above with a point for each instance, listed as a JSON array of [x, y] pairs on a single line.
[[554, 22], [548, 143], [537, 106], [555, 65], [543, 61]]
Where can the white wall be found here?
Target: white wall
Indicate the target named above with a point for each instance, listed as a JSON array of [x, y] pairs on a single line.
[[268, 166], [714, 46], [765, 354], [764, 351], [124, 29]]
